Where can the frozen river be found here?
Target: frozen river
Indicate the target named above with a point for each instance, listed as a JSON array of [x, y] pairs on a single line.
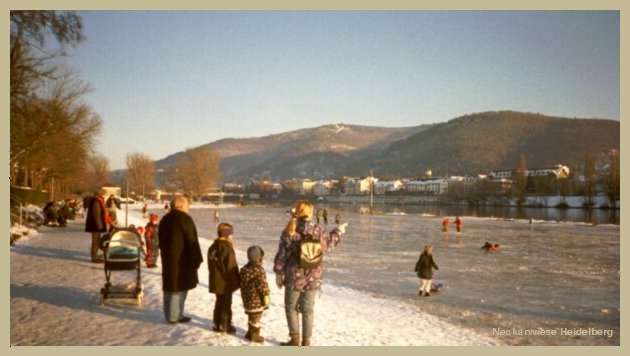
[[548, 278]]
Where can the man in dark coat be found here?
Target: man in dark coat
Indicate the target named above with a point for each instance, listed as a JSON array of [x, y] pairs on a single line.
[[181, 257], [96, 222]]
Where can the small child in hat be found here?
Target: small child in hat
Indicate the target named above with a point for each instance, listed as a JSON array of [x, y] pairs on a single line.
[[254, 292], [151, 239], [223, 278]]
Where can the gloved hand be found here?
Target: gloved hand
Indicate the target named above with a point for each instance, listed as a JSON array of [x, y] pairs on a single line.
[[279, 280], [342, 228], [267, 300]]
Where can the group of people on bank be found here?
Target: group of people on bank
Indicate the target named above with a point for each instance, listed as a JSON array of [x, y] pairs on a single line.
[[181, 257]]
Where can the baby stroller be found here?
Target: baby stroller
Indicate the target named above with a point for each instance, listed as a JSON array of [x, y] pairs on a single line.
[[122, 252]]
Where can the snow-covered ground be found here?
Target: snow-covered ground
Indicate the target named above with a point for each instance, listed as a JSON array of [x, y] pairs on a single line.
[[55, 294]]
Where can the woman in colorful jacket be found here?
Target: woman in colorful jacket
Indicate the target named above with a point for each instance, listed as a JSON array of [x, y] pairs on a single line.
[[301, 284]]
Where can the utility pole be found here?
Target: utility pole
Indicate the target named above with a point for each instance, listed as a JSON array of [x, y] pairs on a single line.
[[127, 204], [371, 191]]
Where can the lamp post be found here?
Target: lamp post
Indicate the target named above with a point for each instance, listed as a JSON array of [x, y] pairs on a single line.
[[127, 203]]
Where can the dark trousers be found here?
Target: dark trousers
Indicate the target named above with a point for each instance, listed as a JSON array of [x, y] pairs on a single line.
[[223, 310]]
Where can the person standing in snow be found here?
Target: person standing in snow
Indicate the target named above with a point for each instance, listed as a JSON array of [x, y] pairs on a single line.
[[301, 284], [112, 205], [223, 278], [458, 224], [254, 292], [152, 241], [181, 257], [445, 223], [96, 220], [424, 270]]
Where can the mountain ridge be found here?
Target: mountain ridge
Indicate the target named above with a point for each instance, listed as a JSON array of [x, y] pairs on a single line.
[[466, 145]]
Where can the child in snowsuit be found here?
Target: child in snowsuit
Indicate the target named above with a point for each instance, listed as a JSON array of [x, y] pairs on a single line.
[[152, 243], [254, 292], [445, 223], [224, 278], [458, 224], [424, 270]]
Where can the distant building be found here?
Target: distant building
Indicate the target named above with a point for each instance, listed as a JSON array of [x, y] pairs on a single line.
[[116, 191], [304, 187], [428, 186], [559, 171], [359, 186], [385, 186], [323, 187]]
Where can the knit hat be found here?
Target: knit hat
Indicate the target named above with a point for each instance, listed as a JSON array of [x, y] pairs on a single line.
[[154, 217], [255, 253]]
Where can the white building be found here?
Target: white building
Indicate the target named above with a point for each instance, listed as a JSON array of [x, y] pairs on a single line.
[[358, 186], [428, 186], [559, 171], [384, 186], [322, 187]]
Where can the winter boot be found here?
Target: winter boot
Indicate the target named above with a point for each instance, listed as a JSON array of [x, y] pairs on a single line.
[[306, 341], [253, 335], [294, 341]]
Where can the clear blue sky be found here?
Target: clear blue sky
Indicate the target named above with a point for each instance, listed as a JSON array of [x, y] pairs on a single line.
[[166, 81]]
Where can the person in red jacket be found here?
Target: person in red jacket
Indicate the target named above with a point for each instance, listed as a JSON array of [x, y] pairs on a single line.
[[96, 221], [458, 224], [152, 241], [445, 223]]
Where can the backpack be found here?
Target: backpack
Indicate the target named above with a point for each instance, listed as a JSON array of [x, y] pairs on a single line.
[[311, 253]]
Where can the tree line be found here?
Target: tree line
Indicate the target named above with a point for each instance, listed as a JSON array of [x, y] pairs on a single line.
[[53, 131]]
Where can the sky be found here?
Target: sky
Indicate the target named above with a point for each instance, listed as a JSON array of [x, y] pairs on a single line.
[[55, 296], [165, 81]]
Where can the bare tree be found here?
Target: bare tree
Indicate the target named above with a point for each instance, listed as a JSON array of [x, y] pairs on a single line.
[[99, 175], [30, 54], [51, 130], [140, 173], [56, 132], [613, 186], [521, 177], [590, 179], [197, 173]]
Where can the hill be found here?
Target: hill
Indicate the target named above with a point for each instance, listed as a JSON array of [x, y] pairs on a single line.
[[481, 142], [467, 145], [321, 152]]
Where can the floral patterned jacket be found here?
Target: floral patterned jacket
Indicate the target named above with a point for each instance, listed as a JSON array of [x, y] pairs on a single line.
[[254, 287], [286, 261]]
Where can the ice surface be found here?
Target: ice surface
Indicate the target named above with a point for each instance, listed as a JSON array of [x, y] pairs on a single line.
[[549, 275]]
